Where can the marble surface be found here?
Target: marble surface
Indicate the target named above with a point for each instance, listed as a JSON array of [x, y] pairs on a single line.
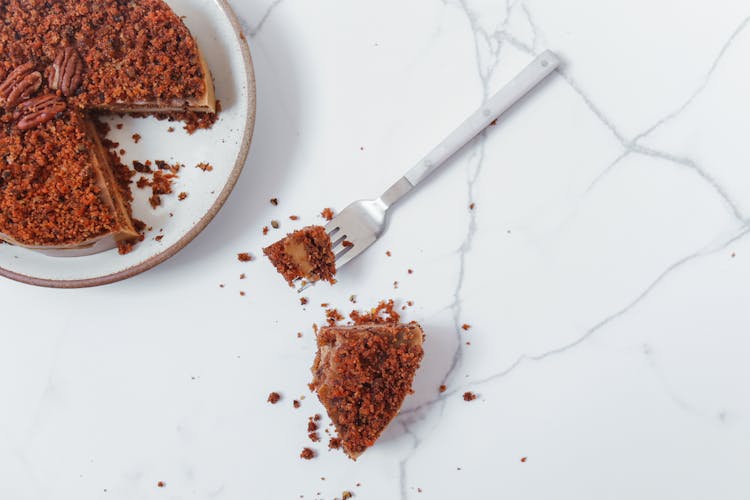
[[603, 272]]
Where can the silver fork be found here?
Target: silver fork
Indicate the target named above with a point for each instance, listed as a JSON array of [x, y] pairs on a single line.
[[361, 223]]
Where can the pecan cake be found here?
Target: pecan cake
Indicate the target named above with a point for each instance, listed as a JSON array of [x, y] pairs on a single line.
[[304, 254], [63, 62], [362, 373]]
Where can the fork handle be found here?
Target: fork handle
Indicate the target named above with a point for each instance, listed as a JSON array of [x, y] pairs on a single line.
[[531, 76]]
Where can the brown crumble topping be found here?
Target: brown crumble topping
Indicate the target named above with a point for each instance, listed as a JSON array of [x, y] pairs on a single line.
[[307, 454], [395, 284], [314, 437], [311, 425], [304, 254], [274, 398], [469, 396], [333, 316], [327, 214], [334, 443], [244, 257]]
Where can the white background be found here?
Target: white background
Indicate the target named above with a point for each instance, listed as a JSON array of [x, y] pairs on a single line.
[[604, 272]]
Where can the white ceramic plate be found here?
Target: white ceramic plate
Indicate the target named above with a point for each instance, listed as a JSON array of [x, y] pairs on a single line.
[[225, 147]]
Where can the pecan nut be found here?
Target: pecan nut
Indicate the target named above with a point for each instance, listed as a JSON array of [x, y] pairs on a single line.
[[19, 85], [66, 72], [39, 110]]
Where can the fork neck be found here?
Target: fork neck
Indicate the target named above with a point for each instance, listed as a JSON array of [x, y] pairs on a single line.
[[394, 193]]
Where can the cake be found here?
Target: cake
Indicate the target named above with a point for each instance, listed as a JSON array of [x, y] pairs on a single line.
[[64, 62], [305, 254], [362, 373]]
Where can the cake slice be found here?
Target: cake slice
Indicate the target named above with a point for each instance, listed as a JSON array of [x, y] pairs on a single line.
[[73, 204], [362, 373], [304, 254]]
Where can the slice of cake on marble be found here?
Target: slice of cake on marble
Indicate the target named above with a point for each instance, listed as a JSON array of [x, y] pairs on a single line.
[[305, 255], [362, 373]]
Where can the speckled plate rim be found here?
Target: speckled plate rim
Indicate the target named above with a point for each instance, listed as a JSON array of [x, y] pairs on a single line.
[[206, 219]]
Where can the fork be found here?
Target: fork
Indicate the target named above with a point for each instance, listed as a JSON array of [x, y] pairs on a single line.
[[360, 224]]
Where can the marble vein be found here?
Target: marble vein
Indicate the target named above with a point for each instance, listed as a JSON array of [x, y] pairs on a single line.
[[252, 32], [629, 147]]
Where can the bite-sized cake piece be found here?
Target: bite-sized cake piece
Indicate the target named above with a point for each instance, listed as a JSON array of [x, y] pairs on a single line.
[[304, 254], [362, 373]]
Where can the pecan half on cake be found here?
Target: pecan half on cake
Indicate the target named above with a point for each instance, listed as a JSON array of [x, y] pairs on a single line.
[[304, 254], [62, 62], [362, 373]]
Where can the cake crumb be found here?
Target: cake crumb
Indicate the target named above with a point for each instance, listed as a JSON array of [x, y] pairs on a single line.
[[296, 403], [314, 437], [275, 224], [182, 196], [469, 396], [159, 238], [410, 271], [307, 454], [347, 244], [353, 299], [265, 230], [242, 294], [303, 300], [334, 443], [388, 253], [243, 276], [294, 217], [275, 202], [333, 316], [170, 129], [442, 388], [346, 495], [119, 126], [471, 207], [523, 459], [327, 214], [161, 484], [244, 257], [204, 166], [311, 425], [274, 398], [465, 327], [299, 335], [136, 138]]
